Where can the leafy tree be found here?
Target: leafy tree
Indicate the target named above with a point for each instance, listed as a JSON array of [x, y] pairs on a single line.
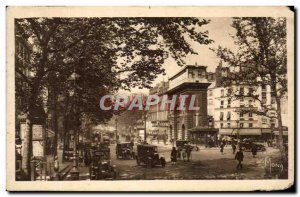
[[113, 52], [260, 61]]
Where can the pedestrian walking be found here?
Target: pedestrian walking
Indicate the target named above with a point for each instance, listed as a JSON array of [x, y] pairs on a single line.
[[239, 156], [87, 157], [254, 150], [173, 156], [179, 152], [233, 148], [189, 150], [51, 149], [183, 153], [222, 148], [56, 175]]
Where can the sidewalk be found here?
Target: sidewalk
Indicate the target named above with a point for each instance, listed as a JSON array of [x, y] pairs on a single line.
[[64, 167]]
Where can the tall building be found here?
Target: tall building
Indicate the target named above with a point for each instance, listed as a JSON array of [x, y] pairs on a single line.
[[183, 124], [220, 113], [229, 112]]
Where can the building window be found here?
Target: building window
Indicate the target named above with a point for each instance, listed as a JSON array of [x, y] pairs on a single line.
[[222, 92], [241, 125], [250, 114], [228, 115], [250, 125], [241, 115], [222, 103], [221, 115], [228, 125], [229, 91], [264, 97], [264, 120], [221, 125], [228, 103], [250, 103], [251, 91], [242, 89]]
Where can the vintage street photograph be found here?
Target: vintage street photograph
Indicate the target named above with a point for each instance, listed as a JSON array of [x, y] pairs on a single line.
[[113, 97]]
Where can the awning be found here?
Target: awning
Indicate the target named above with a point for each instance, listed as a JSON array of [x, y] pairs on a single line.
[[203, 130], [240, 131], [284, 133], [266, 130]]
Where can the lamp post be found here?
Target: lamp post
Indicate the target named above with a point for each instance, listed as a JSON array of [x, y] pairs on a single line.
[[145, 119], [116, 130], [75, 171]]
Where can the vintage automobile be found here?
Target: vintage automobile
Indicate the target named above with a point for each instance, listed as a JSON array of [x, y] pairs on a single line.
[[101, 166], [181, 143], [247, 145], [68, 154], [148, 155], [124, 150]]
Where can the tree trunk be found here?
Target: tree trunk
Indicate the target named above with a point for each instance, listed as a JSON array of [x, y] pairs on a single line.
[[66, 131], [55, 124], [280, 129], [27, 150]]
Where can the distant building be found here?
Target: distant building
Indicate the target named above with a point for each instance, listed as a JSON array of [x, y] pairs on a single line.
[[185, 124], [158, 117], [219, 114]]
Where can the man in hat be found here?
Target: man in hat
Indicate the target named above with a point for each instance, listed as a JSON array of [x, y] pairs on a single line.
[[239, 156]]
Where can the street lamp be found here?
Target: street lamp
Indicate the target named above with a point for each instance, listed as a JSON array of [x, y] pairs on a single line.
[[75, 171], [145, 119], [116, 130]]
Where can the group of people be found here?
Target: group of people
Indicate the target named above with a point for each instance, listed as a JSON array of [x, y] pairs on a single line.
[[184, 153]]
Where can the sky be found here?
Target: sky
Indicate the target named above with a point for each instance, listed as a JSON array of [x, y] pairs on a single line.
[[220, 31]]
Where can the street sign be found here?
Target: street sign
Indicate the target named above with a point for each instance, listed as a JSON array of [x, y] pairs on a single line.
[[37, 148], [37, 132]]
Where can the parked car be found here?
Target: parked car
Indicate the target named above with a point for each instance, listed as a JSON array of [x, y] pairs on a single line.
[[148, 155], [247, 146], [124, 150], [101, 166], [181, 143], [68, 154]]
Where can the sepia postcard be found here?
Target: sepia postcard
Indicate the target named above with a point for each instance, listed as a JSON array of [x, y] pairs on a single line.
[[150, 98]]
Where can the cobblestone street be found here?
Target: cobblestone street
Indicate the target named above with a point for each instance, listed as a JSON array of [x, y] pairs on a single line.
[[207, 163]]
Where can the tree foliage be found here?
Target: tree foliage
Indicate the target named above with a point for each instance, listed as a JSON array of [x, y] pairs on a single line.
[[106, 53], [261, 60]]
